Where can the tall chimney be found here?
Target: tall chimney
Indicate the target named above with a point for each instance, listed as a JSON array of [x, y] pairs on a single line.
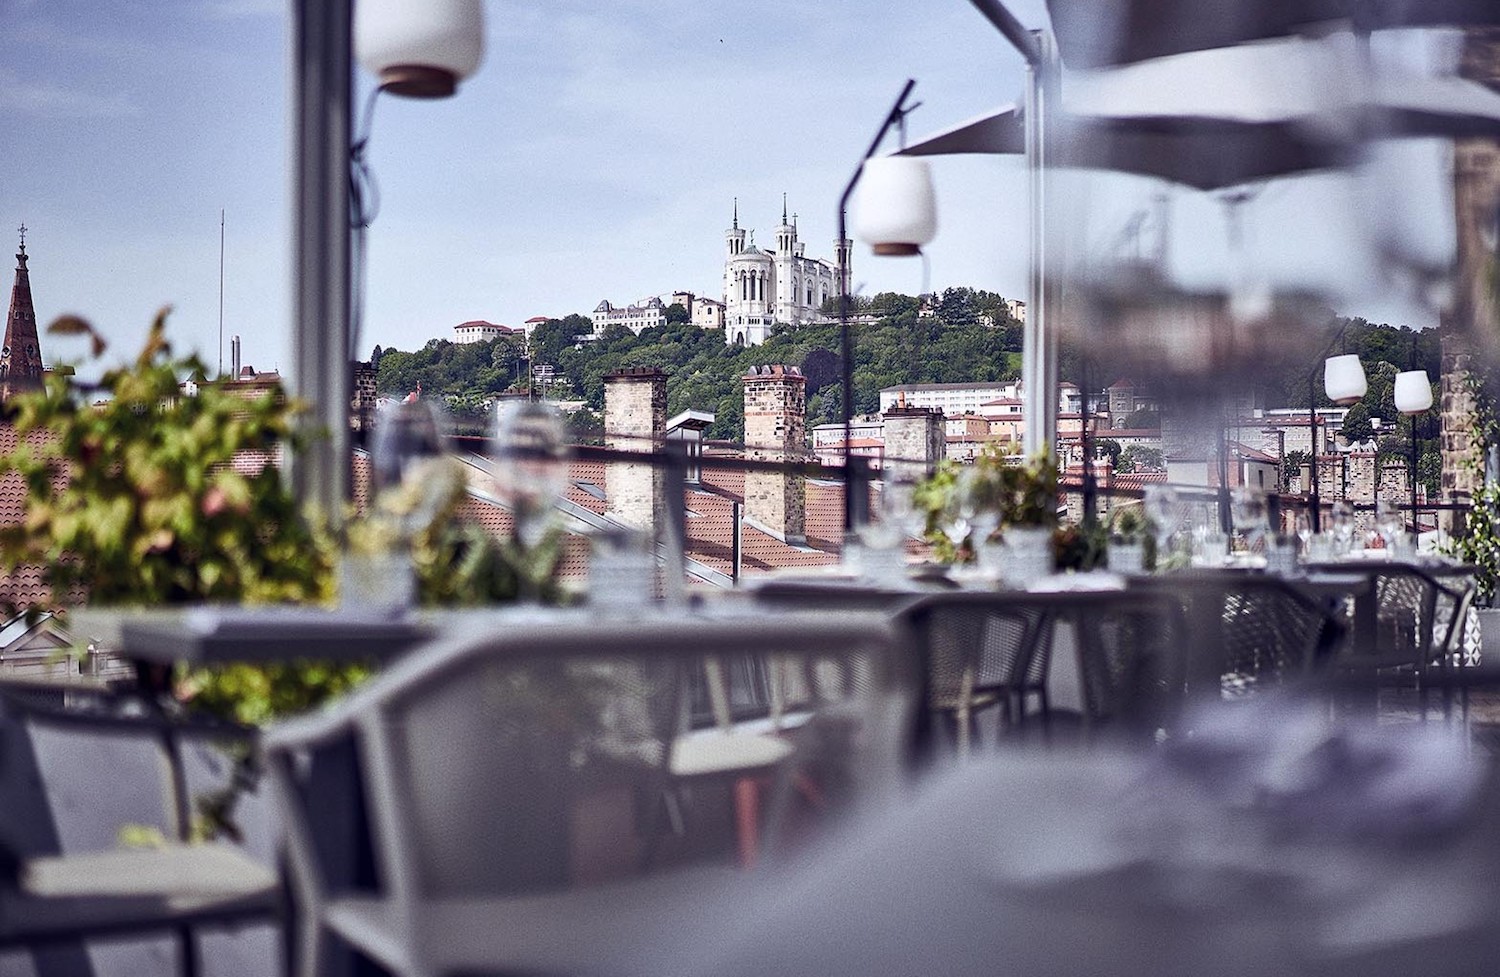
[[234, 358], [914, 434], [635, 419], [776, 430]]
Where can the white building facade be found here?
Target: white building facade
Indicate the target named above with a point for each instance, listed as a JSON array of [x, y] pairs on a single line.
[[638, 316], [479, 331], [762, 288]]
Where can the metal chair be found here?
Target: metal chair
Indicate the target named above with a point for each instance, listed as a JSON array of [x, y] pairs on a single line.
[[55, 899], [494, 802], [979, 652], [1246, 633]]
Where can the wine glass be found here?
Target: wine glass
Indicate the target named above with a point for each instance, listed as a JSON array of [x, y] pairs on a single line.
[[1164, 509], [1249, 511], [530, 470], [411, 481], [1341, 524], [1390, 522]]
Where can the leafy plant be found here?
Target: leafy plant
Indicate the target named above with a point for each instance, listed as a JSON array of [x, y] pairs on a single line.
[[1128, 524], [156, 494], [1479, 546]]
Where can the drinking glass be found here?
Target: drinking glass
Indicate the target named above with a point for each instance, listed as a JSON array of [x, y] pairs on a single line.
[[1341, 525], [411, 481], [1164, 509], [530, 472], [1248, 508], [883, 540], [1390, 522]]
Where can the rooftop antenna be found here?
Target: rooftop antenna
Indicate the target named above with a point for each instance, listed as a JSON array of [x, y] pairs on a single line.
[[221, 293]]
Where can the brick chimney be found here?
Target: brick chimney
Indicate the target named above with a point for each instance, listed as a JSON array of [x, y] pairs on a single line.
[[914, 434], [635, 419], [776, 430]]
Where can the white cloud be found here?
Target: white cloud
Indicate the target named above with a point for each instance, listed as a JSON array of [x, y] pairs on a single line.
[[45, 99]]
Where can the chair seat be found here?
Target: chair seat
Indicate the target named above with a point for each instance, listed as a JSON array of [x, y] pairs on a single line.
[[62, 897], [716, 752], [975, 702], [602, 929]]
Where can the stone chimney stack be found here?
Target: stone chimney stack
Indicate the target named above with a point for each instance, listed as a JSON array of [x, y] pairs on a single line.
[[776, 430], [915, 435], [635, 419]]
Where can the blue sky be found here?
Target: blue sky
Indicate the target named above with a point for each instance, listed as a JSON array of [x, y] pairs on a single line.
[[595, 155]]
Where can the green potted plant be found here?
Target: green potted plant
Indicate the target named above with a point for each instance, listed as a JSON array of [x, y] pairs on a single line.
[[1129, 533]]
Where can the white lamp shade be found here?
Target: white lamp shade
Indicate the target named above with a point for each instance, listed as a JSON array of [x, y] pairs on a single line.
[[1413, 392], [422, 49], [1344, 379], [896, 212]]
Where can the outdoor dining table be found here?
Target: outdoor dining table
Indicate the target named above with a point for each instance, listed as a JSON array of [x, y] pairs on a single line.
[[1244, 851]]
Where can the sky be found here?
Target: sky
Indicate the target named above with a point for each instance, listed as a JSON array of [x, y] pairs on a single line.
[[596, 154]]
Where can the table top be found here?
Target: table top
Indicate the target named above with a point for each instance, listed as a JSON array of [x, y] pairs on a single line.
[[1064, 864]]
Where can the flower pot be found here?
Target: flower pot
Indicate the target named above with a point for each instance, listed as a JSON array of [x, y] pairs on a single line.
[[1025, 555], [1127, 557]]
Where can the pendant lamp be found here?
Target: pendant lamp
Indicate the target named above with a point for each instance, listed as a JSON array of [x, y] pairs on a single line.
[[1344, 379], [1413, 392], [896, 212], [421, 50]]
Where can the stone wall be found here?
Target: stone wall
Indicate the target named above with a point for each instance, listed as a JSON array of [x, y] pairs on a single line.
[[776, 430]]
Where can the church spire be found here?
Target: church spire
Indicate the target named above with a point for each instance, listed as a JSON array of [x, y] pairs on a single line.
[[783, 207], [21, 358], [736, 213]]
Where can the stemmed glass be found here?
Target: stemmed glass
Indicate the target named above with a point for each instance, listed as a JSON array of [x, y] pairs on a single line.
[[970, 516], [411, 481], [530, 471], [1164, 509], [1390, 522], [1249, 511], [883, 540], [1341, 524]]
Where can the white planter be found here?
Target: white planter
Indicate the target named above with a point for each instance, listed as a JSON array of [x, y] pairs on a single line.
[[1025, 555], [1127, 557]]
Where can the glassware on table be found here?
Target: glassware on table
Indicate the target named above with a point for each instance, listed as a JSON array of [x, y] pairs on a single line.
[[1390, 522], [530, 471], [1164, 510], [882, 555], [1342, 527], [972, 515], [1248, 508], [411, 481]]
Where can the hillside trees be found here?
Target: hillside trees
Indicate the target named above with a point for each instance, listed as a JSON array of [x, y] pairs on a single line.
[[704, 373]]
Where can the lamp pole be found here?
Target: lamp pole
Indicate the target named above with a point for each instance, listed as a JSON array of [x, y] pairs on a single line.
[[856, 475], [1314, 504], [1039, 353], [322, 91]]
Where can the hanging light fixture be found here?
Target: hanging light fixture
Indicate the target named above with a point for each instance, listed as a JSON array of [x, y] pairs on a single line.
[[896, 212], [1413, 392], [421, 50], [1344, 379]]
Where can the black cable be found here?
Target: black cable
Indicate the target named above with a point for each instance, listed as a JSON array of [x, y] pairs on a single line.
[[364, 205]]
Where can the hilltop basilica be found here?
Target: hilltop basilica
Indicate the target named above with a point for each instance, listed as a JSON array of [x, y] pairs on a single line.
[[766, 287]]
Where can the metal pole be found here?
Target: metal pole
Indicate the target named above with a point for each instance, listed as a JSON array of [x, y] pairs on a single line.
[[1313, 503], [322, 90], [856, 477], [1039, 352]]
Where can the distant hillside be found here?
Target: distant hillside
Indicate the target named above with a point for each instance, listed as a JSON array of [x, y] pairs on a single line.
[[953, 344]]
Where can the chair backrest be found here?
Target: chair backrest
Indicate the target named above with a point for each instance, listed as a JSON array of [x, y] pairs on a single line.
[[534, 757], [1406, 609], [1247, 633], [1451, 616]]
